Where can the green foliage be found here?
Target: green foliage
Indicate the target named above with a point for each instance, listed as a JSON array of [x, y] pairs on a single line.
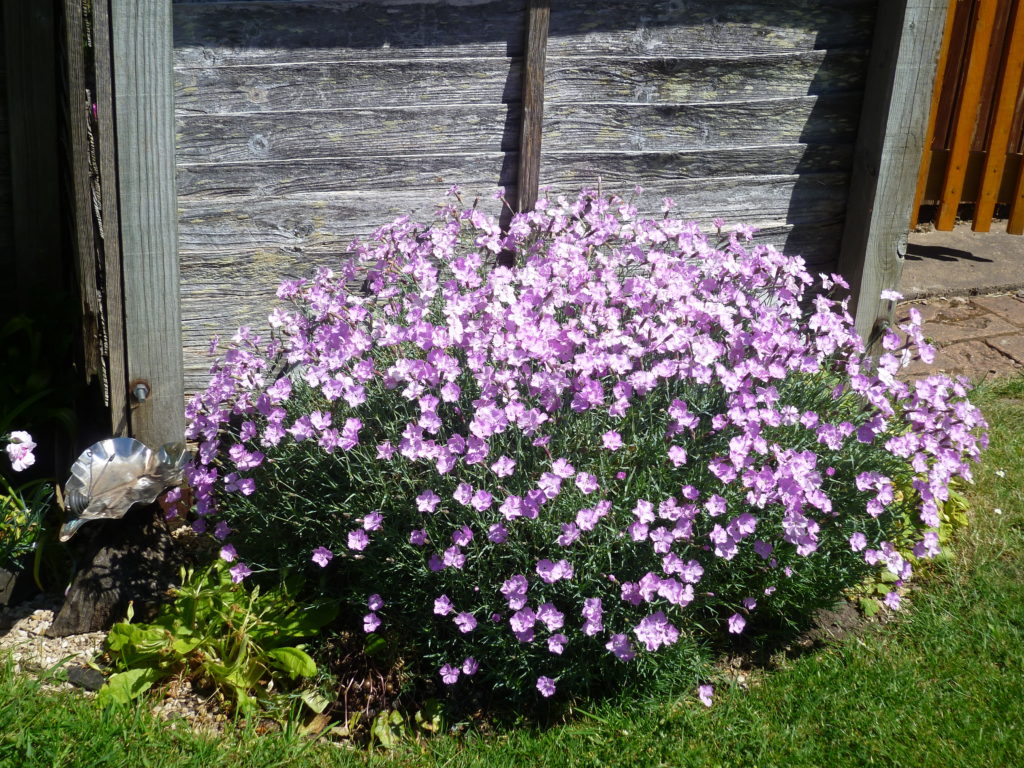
[[218, 633], [21, 520]]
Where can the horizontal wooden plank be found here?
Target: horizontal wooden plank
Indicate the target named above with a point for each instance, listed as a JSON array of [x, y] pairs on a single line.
[[671, 127], [430, 130], [329, 222], [486, 171], [481, 173], [707, 27], [208, 34], [325, 224], [700, 78], [223, 291], [337, 85], [337, 133]]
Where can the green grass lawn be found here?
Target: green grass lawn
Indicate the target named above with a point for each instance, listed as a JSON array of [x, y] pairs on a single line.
[[942, 684]]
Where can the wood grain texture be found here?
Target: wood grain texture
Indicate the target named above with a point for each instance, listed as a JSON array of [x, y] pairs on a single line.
[[109, 225], [207, 34], [691, 79], [76, 116], [338, 85], [708, 27], [889, 145], [531, 123], [141, 37], [347, 132], [480, 174], [476, 173], [828, 119], [328, 222]]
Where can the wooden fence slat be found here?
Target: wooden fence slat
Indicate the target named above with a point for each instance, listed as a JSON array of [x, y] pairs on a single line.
[[966, 115], [1015, 222], [142, 56], [940, 75], [538, 19], [995, 158]]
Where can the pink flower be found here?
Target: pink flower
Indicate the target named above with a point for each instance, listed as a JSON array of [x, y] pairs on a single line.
[[443, 605], [620, 646], [586, 482], [736, 623], [556, 643], [551, 572], [497, 533], [372, 521], [449, 674], [466, 622], [704, 693], [322, 556], [858, 542], [427, 501], [228, 553], [469, 666], [546, 686], [370, 622], [611, 440], [892, 601], [418, 537], [358, 540], [375, 602], [503, 467]]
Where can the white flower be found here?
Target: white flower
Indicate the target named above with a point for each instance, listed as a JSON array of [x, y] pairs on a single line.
[[19, 451]]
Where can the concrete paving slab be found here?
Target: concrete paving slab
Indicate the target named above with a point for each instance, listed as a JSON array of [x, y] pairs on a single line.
[[947, 322], [1009, 308], [974, 359], [963, 263], [1013, 346]]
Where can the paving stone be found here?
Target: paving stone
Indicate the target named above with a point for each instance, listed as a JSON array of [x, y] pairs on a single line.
[[1009, 308], [1010, 345], [945, 323], [974, 359]]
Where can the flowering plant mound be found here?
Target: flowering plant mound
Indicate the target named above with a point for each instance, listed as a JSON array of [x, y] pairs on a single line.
[[544, 477]]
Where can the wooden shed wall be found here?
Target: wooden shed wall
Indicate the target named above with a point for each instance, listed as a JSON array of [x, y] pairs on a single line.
[[7, 266], [301, 124]]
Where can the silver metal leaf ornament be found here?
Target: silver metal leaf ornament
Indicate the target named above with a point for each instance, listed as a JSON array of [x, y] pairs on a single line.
[[113, 475]]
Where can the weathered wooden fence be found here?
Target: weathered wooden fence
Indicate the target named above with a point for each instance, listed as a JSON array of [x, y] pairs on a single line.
[[285, 128], [974, 152]]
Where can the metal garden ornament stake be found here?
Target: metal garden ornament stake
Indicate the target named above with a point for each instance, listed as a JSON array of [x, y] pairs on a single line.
[[115, 474]]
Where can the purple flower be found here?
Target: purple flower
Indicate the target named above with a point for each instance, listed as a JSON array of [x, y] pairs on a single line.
[[418, 537], [586, 482], [462, 536], [449, 674], [443, 605], [563, 468], [514, 590], [470, 666], [370, 622], [482, 500], [546, 686], [463, 493], [551, 572], [570, 532], [556, 643], [620, 646], [453, 558], [221, 531], [322, 556], [228, 553], [858, 542], [551, 617], [736, 623], [358, 540], [497, 533], [466, 622], [375, 602], [892, 601], [704, 693], [239, 571], [677, 455], [503, 467], [655, 631], [372, 521], [427, 501], [611, 440]]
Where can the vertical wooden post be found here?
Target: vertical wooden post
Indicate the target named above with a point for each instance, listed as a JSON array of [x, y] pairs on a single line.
[[890, 140], [32, 114], [141, 37], [534, 55], [110, 220]]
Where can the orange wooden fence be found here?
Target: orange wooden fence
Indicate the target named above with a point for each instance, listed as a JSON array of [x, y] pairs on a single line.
[[974, 152]]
